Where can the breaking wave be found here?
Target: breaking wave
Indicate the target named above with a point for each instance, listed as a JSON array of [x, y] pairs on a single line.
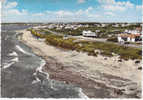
[[13, 54], [11, 62], [41, 75], [23, 51]]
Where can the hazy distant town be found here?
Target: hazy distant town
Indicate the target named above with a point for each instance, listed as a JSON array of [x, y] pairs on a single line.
[[124, 33]]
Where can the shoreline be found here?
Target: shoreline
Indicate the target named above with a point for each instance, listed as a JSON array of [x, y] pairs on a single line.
[[43, 64], [78, 75]]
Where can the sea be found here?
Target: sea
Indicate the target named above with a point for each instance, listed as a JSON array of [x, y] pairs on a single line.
[[21, 74]]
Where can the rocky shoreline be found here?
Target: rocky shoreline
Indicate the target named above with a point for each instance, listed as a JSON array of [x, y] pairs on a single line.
[[97, 85]]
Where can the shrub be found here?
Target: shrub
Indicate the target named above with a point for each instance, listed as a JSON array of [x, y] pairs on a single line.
[[60, 42], [109, 48], [38, 35], [112, 39]]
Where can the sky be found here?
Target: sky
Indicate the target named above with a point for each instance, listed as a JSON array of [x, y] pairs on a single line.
[[72, 10]]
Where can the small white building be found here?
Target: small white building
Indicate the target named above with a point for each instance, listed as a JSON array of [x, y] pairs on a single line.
[[129, 37], [89, 34], [120, 40]]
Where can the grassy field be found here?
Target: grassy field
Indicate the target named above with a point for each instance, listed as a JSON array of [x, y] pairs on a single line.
[[106, 49]]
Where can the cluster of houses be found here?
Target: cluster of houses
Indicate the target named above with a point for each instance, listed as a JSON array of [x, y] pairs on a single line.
[[66, 26], [130, 35], [126, 36], [74, 26], [113, 24]]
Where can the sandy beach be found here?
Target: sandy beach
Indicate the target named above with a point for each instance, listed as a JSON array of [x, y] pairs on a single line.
[[90, 73]]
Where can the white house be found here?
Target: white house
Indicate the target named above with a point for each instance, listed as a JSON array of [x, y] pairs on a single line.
[[129, 37], [120, 39], [89, 34]]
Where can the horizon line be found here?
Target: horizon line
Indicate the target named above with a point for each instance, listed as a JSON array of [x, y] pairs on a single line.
[[69, 22]]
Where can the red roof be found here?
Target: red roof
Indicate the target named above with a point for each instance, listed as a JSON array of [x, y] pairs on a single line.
[[130, 35]]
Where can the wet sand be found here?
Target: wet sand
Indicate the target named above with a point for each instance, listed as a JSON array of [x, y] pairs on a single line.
[[99, 77]]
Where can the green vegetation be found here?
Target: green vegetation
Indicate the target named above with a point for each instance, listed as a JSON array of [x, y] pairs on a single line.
[[75, 32], [38, 35], [59, 41], [107, 49], [113, 39]]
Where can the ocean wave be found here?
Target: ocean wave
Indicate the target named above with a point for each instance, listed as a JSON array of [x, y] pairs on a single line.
[[15, 59], [81, 94], [13, 54], [23, 51], [43, 62], [39, 74], [11, 62], [7, 65]]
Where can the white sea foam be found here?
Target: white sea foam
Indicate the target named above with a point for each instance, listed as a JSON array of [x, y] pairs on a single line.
[[81, 94], [43, 62], [13, 54], [7, 65], [23, 51], [15, 59], [11, 62], [39, 70], [35, 81]]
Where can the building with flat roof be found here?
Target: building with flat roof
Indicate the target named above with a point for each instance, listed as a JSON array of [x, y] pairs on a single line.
[[89, 34]]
